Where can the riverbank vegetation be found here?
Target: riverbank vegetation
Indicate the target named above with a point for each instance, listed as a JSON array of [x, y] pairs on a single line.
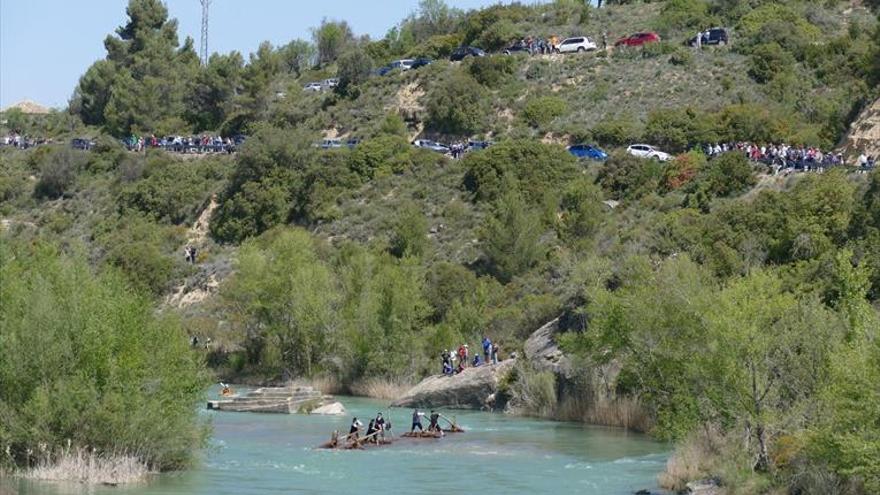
[[706, 301]]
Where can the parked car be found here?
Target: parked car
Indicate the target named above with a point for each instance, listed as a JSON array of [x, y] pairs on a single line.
[[352, 142], [579, 44], [328, 144], [517, 47], [431, 145], [638, 39], [331, 83], [313, 86], [82, 144], [478, 145], [588, 151], [403, 64], [464, 52], [712, 36], [421, 62], [648, 151]]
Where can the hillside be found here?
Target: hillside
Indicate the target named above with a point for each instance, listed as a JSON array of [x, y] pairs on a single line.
[[697, 280]]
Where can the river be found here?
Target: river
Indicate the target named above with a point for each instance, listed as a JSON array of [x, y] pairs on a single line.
[[267, 453]]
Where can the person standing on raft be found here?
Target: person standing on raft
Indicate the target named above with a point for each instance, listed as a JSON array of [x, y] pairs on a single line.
[[434, 418], [355, 429], [417, 421]]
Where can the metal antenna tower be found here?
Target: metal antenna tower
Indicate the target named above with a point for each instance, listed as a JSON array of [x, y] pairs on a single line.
[[203, 49]]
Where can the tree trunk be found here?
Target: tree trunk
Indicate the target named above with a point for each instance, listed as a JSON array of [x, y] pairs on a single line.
[[763, 463]]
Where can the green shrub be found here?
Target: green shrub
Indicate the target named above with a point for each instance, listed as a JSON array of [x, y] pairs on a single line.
[[675, 129], [542, 110], [382, 155], [581, 211], [511, 237], [533, 167], [684, 14], [58, 173], [624, 176], [457, 105], [768, 61], [409, 233], [141, 249], [492, 71], [682, 57], [104, 371], [729, 174], [619, 130]]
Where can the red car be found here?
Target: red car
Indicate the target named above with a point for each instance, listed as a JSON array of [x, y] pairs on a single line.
[[638, 39]]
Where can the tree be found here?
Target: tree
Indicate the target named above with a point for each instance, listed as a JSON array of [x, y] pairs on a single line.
[[581, 211], [409, 233], [331, 39], [534, 168], [457, 105], [511, 236], [87, 363], [297, 56], [355, 67], [283, 297], [211, 97]]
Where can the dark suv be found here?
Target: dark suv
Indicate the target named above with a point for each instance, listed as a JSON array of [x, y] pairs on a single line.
[[714, 36], [463, 52]]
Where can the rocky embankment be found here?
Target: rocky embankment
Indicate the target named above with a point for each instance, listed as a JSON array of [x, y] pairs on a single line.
[[285, 400], [864, 133], [474, 388]]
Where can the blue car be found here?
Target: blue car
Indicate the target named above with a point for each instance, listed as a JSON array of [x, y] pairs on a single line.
[[587, 151]]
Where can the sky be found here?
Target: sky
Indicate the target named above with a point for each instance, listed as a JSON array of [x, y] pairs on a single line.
[[45, 45]]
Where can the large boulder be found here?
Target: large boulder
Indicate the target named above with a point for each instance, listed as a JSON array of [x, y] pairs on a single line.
[[543, 352], [332, 409], [474, 388], [864, 133]]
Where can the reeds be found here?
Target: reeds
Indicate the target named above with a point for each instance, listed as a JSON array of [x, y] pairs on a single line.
[[89, 466], [380, 388]]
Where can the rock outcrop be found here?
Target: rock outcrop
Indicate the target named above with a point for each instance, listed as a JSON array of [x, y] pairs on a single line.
[[474, 388], [864, 133], [543, 352], [331, 409], [285, 400]]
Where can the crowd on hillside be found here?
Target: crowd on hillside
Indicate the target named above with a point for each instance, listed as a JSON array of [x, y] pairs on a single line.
[[782, 157], [22, 142], [184, 144], [454, 362]]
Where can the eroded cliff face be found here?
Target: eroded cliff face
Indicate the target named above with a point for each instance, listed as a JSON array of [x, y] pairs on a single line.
[[864, 133]]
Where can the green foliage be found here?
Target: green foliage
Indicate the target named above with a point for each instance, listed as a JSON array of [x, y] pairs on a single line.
[[141, 250], [58, 172], [331, 39], [511, 236], [492, 71], [684, 14], [268, 178], [409, 233], [213, 90], [624, 176], [103, 371], [355, 67], [172, 191], [457, 105], [541, 111], [393, 125], [678, 128], [619, 130], [768, 61], [581, 211], [532, 167], [283, 296], [383, 155], [729, 174]]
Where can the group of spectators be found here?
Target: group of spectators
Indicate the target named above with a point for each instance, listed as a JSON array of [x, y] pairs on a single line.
[[456, 362], [19, 141], [184, 144], [782, 157]]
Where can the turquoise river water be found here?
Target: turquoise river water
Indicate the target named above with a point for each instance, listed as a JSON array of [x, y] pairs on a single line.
[[267, 453]]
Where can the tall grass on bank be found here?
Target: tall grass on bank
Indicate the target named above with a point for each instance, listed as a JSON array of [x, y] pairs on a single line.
[[380, 388], [622, 412], [88, 466]]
